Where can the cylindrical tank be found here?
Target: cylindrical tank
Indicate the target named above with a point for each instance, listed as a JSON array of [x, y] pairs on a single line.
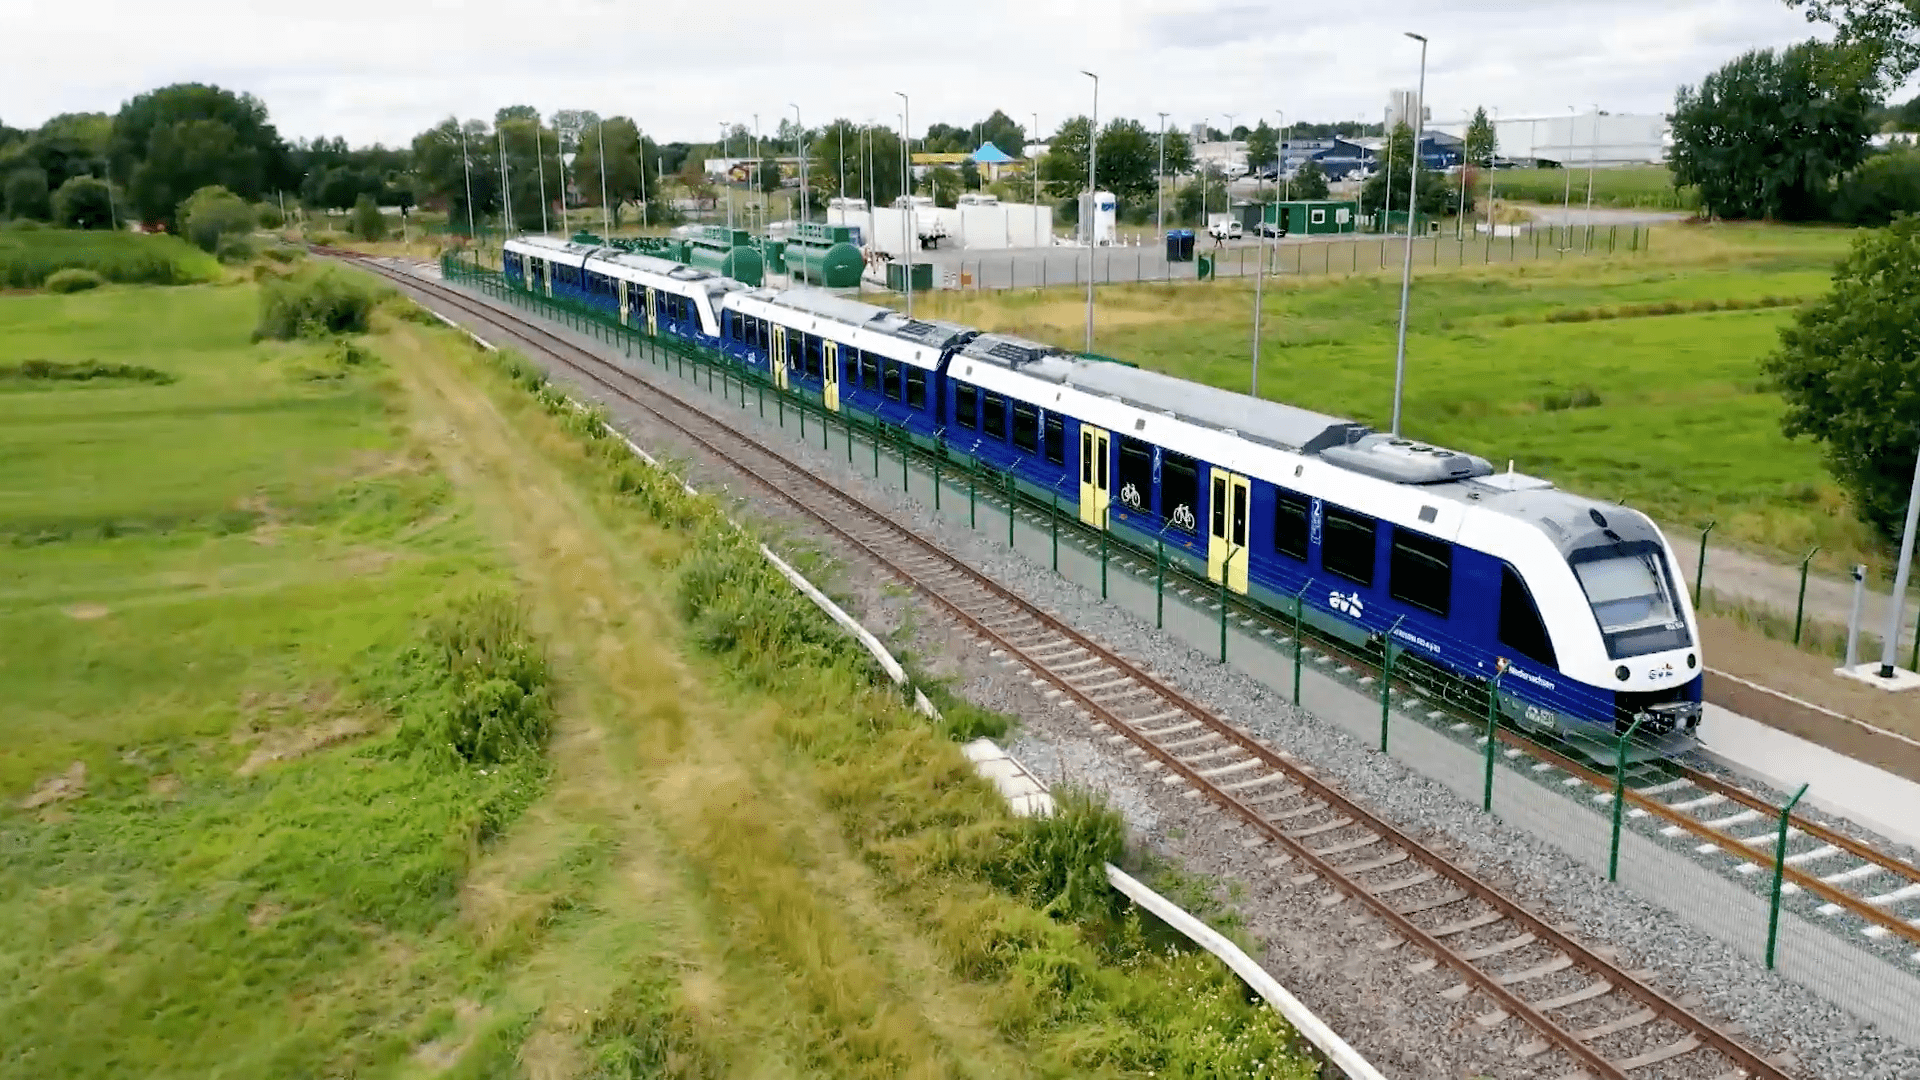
[[742, 263], [836, 267]]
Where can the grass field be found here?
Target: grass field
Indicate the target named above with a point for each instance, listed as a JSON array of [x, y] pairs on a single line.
[[228, 851], [1645, 187], [28, 256], [1561, 367]]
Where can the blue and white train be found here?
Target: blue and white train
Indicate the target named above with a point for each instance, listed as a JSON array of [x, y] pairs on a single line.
[[1574, 604]]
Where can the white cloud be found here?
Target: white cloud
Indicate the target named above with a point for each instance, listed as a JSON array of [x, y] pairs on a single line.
[[384, 71]]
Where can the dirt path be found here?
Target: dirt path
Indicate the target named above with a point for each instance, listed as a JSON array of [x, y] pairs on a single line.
[[681, 818]]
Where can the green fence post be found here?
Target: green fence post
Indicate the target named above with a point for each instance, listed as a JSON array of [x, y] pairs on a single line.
[[1800, 606], [1298, 599], [939, 459], [1619, 798], [780, 407], [1493, 743], [802, 410], [1612, 235], [826, 422], [1106, 522], [1159, 583], [973, 503], [1386, 681], [873, 439], [1053, 531], [1226, 569], [905, 484], [1914, 663], [1011, 495], [1700, 573], [1780, 873]]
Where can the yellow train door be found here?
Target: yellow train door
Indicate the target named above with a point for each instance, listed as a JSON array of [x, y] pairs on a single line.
[[1095, 488], [777, 362], [546, 277], [623, 301], [653, 314], [830, 374], [1227, 511]]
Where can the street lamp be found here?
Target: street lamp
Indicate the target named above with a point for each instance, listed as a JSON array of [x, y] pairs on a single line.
[[1566, 208], [1413, 202], [760, 173], [506, 192], [1093, 155], [1033, 165], [1593, 151], [800, 146], [1280, 159], [540, 164], [1160, 183], [726, 174], [908, 238], [606, 211], [466, 166]]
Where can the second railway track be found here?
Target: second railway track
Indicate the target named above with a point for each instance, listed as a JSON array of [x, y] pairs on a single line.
[[1591, 1016]]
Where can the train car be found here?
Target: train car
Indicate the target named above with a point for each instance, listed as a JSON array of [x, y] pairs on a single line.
[[1575, 604], [843, 353], [639, 290]]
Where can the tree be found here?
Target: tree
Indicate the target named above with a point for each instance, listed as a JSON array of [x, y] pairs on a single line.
[[1000, 130], [443, 158], [516, 112], [1063, 172], [1129, 154], [213, 214], [368, 223], [83, 202], [1179, 153], [944, 182], [1849, 369], [1482, 142], [1883, 185], [628, 162], [1263, 147], [843, 148], [1884, 33], [1765, 135], [1187, 203], [1309, 182], [1432, 187], [26, 194], [171, 142]]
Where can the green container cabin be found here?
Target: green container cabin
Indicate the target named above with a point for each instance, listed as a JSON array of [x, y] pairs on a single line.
[[1316, 217]]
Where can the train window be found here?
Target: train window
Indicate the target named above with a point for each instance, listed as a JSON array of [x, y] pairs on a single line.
[[1420, 571], [1347, 549], [793, 351], [1290, 529], [1179, 491], [1086, 456], [966, 406], [815, 365], [993, 415], [870, 374], [890, 380], [1026, 427], [1056, 439], [916, 388], [1136, 475], [1520, 627]]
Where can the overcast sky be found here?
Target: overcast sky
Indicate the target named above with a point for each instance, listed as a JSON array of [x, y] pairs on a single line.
[[383, 71]]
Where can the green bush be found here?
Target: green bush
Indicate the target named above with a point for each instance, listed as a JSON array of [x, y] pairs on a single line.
[[26, 194], [80, 371], [270, 216], [367, 221], [83, 202], [282, 254], [29, 257], [474, 689], [1883, 185], [213, 213], [234, 249], [1058, 863], [315, 301], [74, 279]]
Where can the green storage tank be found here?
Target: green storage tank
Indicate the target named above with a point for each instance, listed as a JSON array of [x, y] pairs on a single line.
[[776, 256], [728, 252], [825, 255]]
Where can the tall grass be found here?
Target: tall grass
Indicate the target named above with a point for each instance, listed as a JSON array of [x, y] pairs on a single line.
[[28, 258], [1639, 187], [314, 301], [474, 688]]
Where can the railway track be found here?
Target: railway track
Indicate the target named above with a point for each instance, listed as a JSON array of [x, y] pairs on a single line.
[[1590, 1016]]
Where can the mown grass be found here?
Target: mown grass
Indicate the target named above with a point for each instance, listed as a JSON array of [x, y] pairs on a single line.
[[29, 257], [218, 858], [1634, 378], [1644, 187]]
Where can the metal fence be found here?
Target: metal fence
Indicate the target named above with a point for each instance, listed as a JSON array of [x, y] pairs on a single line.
[[1348, 255], [1605, 812]]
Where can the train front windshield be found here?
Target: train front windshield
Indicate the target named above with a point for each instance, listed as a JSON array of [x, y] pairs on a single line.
[[1632, 597]]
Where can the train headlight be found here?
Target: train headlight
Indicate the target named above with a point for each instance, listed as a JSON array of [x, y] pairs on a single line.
[[1621, 673], [1691, 662]]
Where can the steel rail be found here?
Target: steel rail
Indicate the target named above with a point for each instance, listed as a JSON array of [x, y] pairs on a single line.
[[1507, 999]]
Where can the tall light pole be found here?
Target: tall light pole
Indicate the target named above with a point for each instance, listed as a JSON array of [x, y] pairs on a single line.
[[466, 166], [1890, 639], [843, 166], [1280, 159], [1200, 166], [1593, 151], [1493, 150], [506, 192], [606, 210], [759, 172], [1386, 210], [1033, 165], [1566, 208], [560, 155], [1160, 183], [726, 174], [539, 163], [1413, 201], [909, 237], [1093, 155], [800, 147]]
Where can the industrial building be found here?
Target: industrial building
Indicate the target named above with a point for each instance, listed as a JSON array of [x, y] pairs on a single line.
[[1577, 139]]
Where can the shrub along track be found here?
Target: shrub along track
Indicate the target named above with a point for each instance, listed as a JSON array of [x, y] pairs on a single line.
[[1590, 1014]]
